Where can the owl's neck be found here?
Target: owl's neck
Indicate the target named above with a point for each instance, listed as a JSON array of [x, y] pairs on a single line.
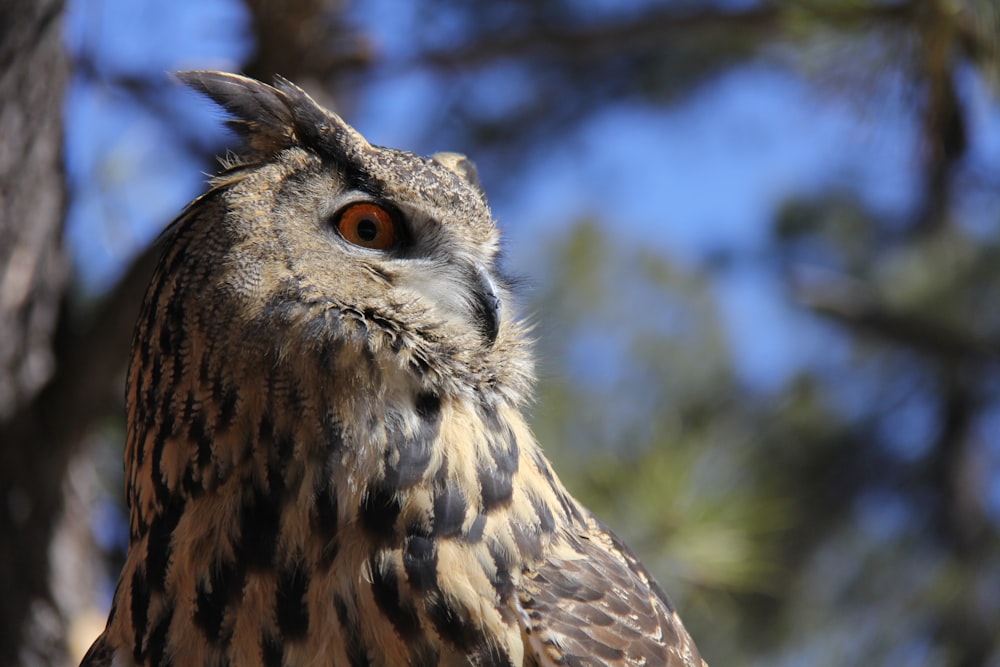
[[366, 435], [250, 491]]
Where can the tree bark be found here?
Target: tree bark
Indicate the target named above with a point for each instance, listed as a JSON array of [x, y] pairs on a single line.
[[33, 75]]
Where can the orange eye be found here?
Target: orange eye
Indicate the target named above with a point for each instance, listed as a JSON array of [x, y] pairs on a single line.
[[367, 225]]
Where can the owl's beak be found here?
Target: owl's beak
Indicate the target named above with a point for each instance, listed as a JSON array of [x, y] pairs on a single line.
[[488, 305]]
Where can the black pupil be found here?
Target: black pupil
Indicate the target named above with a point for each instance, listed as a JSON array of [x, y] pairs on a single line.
[[367, 230]]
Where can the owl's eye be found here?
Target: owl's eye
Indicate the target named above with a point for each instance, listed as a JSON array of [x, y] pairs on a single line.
[[367, 225]]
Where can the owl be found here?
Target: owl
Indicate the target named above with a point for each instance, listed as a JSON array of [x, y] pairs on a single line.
[[327, 460]]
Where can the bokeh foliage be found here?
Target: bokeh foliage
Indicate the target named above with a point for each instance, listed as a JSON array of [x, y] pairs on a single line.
[[843, 513]]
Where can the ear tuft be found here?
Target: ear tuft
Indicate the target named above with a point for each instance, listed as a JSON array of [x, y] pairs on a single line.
[[461, 165], [263, 114], [273, 118]]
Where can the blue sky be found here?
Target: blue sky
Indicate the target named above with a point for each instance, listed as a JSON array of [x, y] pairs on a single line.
[[127, 173], [704, 176]]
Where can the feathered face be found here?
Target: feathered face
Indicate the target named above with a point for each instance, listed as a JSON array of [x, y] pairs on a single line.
[[326, 238], [324, 288]]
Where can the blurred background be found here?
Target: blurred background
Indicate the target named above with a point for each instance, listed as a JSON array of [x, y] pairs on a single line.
[[759, 239]]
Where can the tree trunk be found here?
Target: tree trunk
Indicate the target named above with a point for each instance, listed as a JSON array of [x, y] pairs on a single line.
[[33, 74]]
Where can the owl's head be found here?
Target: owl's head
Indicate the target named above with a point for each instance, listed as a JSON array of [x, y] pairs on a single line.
[[313, 241]]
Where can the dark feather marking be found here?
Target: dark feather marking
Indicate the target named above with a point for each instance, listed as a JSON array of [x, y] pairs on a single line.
[[355, 174], [141, 526], [527, 539], [329, 345], [143, 417], [248, 449], [324, 520], [156, 370], [265, 429], [475, 532], [356, 654], [616, 605], [166, 413], [290, 607], [190, 407], [419, 365], [428, 407], [490, 654], [175, 254], [260, 519], [596, 616], [450, 508], [174, 314], [497, 488], [276, 484], [502, 582], [606, 652], [333, 433], [381, 321], [502, 443], [226, 396], [388, 276], [165, 340], [158, 543], [420, 562], [147, 401], [145, 353], [267, 435], [280, 310], [163, 433], [156, 645], [505, 451], [328, 138], [151, 309], [402, 613], [205, 369], [272, 650], [546, 522], [451, 625], [139, 606], [379, 510], [497, 480], [568, 587], [414, 455], [293, 398], [198, 434], [224, 586], [575, 630], [464, 633], [175, 320], [284, 447], [423, 654]]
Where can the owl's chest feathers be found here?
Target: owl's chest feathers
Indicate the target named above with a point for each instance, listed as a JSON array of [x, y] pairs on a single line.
[[401, 529]]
